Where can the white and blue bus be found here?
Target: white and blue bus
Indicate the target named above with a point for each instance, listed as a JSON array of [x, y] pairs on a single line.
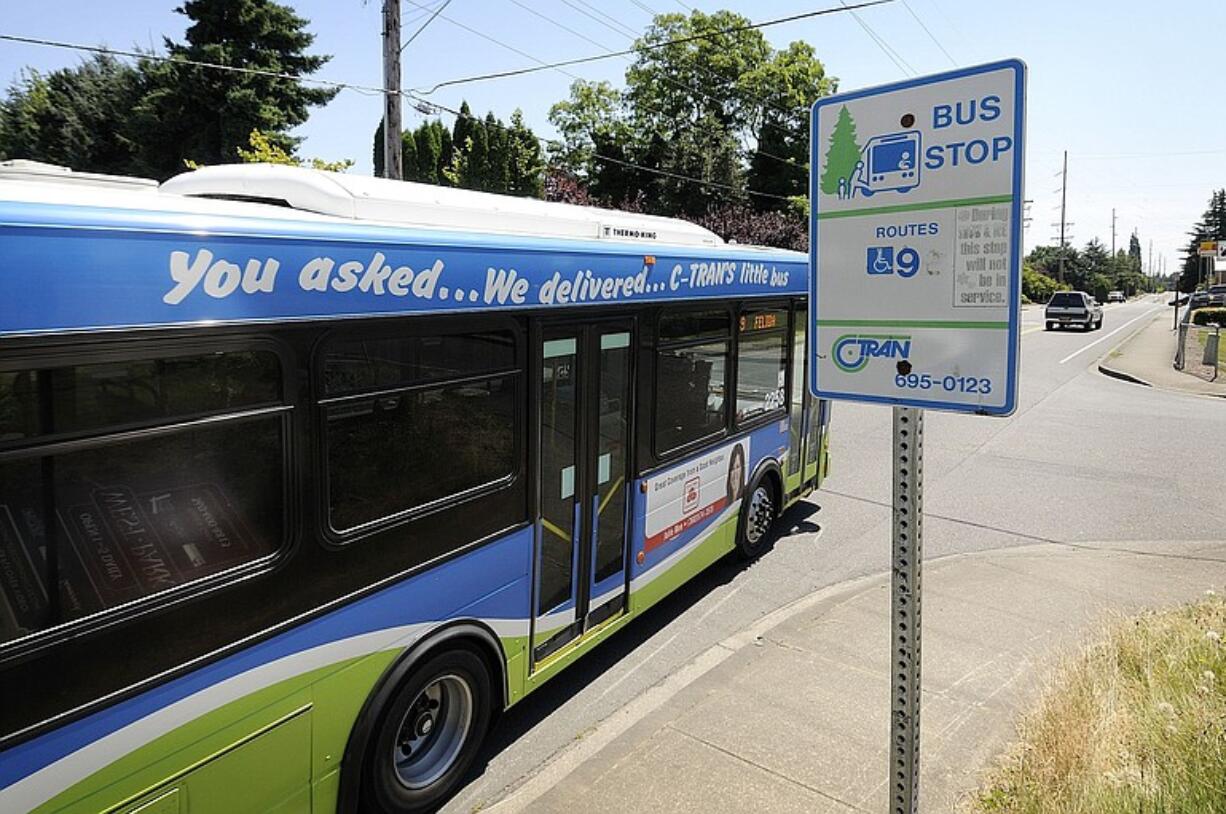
[[305, 477]]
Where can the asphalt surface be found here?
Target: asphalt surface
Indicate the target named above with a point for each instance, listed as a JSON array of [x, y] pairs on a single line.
[[1086, 461]]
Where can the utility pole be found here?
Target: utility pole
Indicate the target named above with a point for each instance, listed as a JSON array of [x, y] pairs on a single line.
[[391, 98], [1063, 204], [1151, 256], [1113, 233]]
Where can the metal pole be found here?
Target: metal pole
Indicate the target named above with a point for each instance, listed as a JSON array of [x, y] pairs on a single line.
[[1175, 282], [905, 608], [392, 167], [1063, 202]]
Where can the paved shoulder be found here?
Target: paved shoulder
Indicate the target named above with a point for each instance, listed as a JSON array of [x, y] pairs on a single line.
[[1147, 358]]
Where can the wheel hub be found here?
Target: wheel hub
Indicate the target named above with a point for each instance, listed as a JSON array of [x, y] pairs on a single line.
[[433, 731], [761, 512]]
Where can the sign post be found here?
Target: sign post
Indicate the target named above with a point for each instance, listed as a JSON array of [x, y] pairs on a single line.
[[1207, 253], [916, 193]]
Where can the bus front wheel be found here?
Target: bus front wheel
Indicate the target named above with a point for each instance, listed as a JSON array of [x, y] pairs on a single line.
[[758, 513], [429, 734]]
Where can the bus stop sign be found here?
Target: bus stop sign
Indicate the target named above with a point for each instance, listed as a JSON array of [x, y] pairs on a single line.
[[916, 192]]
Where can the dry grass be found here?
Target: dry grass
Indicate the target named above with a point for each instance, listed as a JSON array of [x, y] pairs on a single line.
[[1137, 724]]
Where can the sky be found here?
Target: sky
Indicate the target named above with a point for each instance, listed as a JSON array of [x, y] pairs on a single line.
[[1122, 85]]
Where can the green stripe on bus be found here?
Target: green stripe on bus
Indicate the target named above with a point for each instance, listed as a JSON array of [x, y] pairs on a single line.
[[915, 207], [910, 323]]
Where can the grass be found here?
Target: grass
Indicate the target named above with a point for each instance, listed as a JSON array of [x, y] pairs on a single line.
[[1202, 340], [1136, 724]]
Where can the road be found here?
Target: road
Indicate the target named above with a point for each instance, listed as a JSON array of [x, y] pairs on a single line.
[[1086, 460]]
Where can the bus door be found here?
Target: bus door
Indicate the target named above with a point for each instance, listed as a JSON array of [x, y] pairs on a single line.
[[585, 410], [804, 412]]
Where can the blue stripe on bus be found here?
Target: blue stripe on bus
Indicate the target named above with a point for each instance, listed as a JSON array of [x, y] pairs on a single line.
[[494, 580], [98, 268]]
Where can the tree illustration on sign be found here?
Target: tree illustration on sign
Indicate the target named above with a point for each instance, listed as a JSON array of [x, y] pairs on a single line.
[[841, 157]]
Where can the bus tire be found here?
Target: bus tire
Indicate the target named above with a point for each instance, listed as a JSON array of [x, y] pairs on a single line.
[[758, 513], [429, 734]]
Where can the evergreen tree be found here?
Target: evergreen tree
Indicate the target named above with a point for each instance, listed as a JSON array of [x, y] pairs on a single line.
[[408, 155], [446, 148], [376, 151], [1134, 251], [1211, 226], [429, 152], [526, 165], [205, 115], [841, 157], [479, 175], [462, 130], [74, 117], [498, 161]]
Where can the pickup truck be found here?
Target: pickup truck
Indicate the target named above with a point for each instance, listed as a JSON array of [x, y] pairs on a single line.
[[1073, 308]]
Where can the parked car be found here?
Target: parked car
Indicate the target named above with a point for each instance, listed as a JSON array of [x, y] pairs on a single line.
[[1217, 294], [1197, 299], [1073, 308], [1115, 296]]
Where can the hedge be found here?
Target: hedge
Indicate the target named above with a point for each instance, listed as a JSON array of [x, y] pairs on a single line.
[[1204, 316]]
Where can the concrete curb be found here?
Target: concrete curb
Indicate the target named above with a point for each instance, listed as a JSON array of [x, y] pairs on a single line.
[[1121, 375]]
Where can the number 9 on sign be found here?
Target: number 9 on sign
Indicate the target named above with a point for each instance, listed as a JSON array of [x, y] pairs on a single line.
[[907, 262]]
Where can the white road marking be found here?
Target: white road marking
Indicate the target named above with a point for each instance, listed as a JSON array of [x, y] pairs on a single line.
[[1149, 313]]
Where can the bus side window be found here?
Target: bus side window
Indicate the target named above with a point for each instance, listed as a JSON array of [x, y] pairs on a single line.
[[691, 372], [104, 517], [761, 363], [415, 421]]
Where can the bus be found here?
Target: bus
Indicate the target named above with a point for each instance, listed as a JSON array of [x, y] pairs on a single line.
[[305, 477]]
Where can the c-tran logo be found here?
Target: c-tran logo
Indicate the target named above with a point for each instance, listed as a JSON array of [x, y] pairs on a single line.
[[852, 351]]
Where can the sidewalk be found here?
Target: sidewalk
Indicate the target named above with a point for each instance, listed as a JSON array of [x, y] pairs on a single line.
[[792, 715], [1148, 358]]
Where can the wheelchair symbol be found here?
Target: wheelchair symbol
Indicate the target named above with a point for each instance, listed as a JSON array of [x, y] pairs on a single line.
[[881, 260]]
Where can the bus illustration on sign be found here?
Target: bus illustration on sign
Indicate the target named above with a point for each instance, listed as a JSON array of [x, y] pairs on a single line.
[[889, 163]]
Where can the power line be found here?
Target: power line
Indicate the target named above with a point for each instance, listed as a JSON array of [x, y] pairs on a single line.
[[644, 47], [931, 36], [621, 28], [893, 55], [646, 8], [488, 38], [437, 12], [422, 105]]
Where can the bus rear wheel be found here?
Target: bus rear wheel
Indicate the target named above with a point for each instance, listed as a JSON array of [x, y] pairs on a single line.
[[757, 516], [429, 734]]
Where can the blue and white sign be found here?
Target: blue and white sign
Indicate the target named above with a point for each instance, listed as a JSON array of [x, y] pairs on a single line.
[[916, 194]]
